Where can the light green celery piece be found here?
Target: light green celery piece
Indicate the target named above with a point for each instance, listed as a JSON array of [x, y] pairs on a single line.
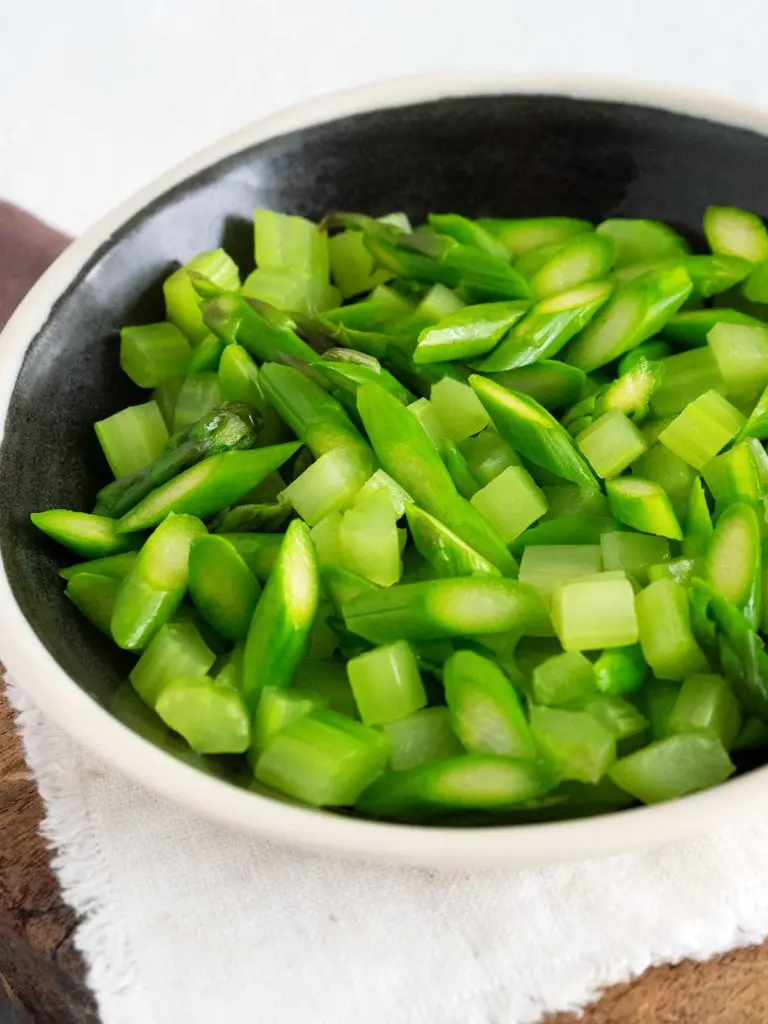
[[409, 457], [439, 302], [287, 289], [679, 570], [88, 535], [386, 683], [697, 531], [519, 234], [741, 355], [182, 303], [633, 552], [177, 650], [485, 709], [619, 717], [198, 395], [643, 505], [733, 560], [381, 481], [487, 455], [673, 474], [426, 415], [114, 566], [686, 376], [328, 485], [620, 670], [94, 596], [212, 718], [548, 566], [664, 621], [532, 431], [593, 614], [734, 476], [352, 266], [368, 540], [323, 758], [634, 313], [511, 502], [154, 586], [422, 738], [548, 327], [132, 438], [458, 409], [208, 487], [222, 587], [638, 241], [325, 537], [469, 332], [691, 327], [563, 678], [585, 258], [446, 552], [278, 709], [284, 242], [153, 353], [611, 444], [757, 423], [706, 703], [702, 429], [736, 232], [280, 628], [577, 745], [673, 767], [433, 609]]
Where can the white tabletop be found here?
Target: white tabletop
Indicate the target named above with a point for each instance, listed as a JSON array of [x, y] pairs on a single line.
[[99, 96]]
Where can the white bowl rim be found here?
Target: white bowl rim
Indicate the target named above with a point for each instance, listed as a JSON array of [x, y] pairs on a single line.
[[34, 668]]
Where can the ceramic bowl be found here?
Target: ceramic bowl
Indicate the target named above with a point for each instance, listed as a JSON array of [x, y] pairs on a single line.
[[448, 142]]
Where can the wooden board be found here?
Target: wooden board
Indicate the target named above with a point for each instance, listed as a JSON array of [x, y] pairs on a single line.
[[41, 974]]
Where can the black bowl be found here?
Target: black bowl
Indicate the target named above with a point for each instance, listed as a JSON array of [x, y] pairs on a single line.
[[481, 155]]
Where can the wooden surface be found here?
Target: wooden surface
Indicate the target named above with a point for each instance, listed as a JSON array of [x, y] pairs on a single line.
[[41, 973]]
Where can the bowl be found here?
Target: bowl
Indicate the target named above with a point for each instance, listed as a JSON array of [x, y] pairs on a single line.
[[479, 145]]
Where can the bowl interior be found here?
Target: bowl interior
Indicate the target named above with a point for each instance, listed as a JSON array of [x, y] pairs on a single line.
[[491, 155]]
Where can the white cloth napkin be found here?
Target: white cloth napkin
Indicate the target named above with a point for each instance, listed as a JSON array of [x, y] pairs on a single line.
[[187, 923]]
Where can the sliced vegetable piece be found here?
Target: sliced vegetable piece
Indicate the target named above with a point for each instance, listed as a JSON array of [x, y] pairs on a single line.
[[177, 650], [153, 353], [519, 234], [736, 232], [619, 717], [277, 709], [487, 455], [741, 354], [329, 485], [422, 738], [664, 621], [212, 718], [94, 596], [733, 561], [368, 539], [547, 566], [673, 767], [386, 683], [584, 258], [132, 438], [611, 444], [458, 409], [222, 587], [641, 241], [633, 552], [620, 670], [89, 535], [706, 704], [594, 614], [444, 550], [182, 302], [578, 746], [563, 678], [258, 550], [469, 332], [114, 566], [198, 395], [702, 429], [643, 505], [511, 502]]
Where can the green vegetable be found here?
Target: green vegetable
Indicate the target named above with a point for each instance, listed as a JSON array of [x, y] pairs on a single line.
[[736, 233], [182, 303], [523, 233], [89, 535], [458, 409], [95, 597], [177, 650], [422, 738], [664, 622], [643, 505], [511, 502], [620, 670], [212, 718], [222, 587], [563, 678], [284, 615], [549, 382], [685, 377], [329, 484], [702, 429], [611, 444], [697, 532], [446, 553], [706, 703], [633, 552], [133, 438], [741, 355], [691, 327], [114, 566], [545, 567], [591, 614], [576, 744], [386, 683], [198, 396], [154, 353], [368, 539], [641, 241], [584, 258], [469, 332], [673, 767], [733, 562]]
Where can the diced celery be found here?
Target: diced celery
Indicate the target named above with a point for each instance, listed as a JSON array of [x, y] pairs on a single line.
[[458, 408], [132, 438], [177, 650], [284, 242], [563, 678], [664, 622], [352, 265], [643, 505], [277, 709], [327, 682], [510, 502], [426, 414], [687, 376], [323, 758], [659, 698], [212, 718], [439, 303], [673, 767], [153, 353], [325, 536], [548, 566], [487, 455], [579, 747], [386, 683], [328, 485], [595, 614], [741, 354], [669, 471], [198, 395], [368, 540], [702, 429], [422, 738], [182, 303], [619, 717], [706, 703], [633, 552], [485, 709], [290, 290], [611, 443]]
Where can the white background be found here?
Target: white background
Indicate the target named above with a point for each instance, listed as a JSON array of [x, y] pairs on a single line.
[[97, 97]]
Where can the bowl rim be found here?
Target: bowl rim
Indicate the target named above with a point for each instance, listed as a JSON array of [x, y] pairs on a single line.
[[31, 665]]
